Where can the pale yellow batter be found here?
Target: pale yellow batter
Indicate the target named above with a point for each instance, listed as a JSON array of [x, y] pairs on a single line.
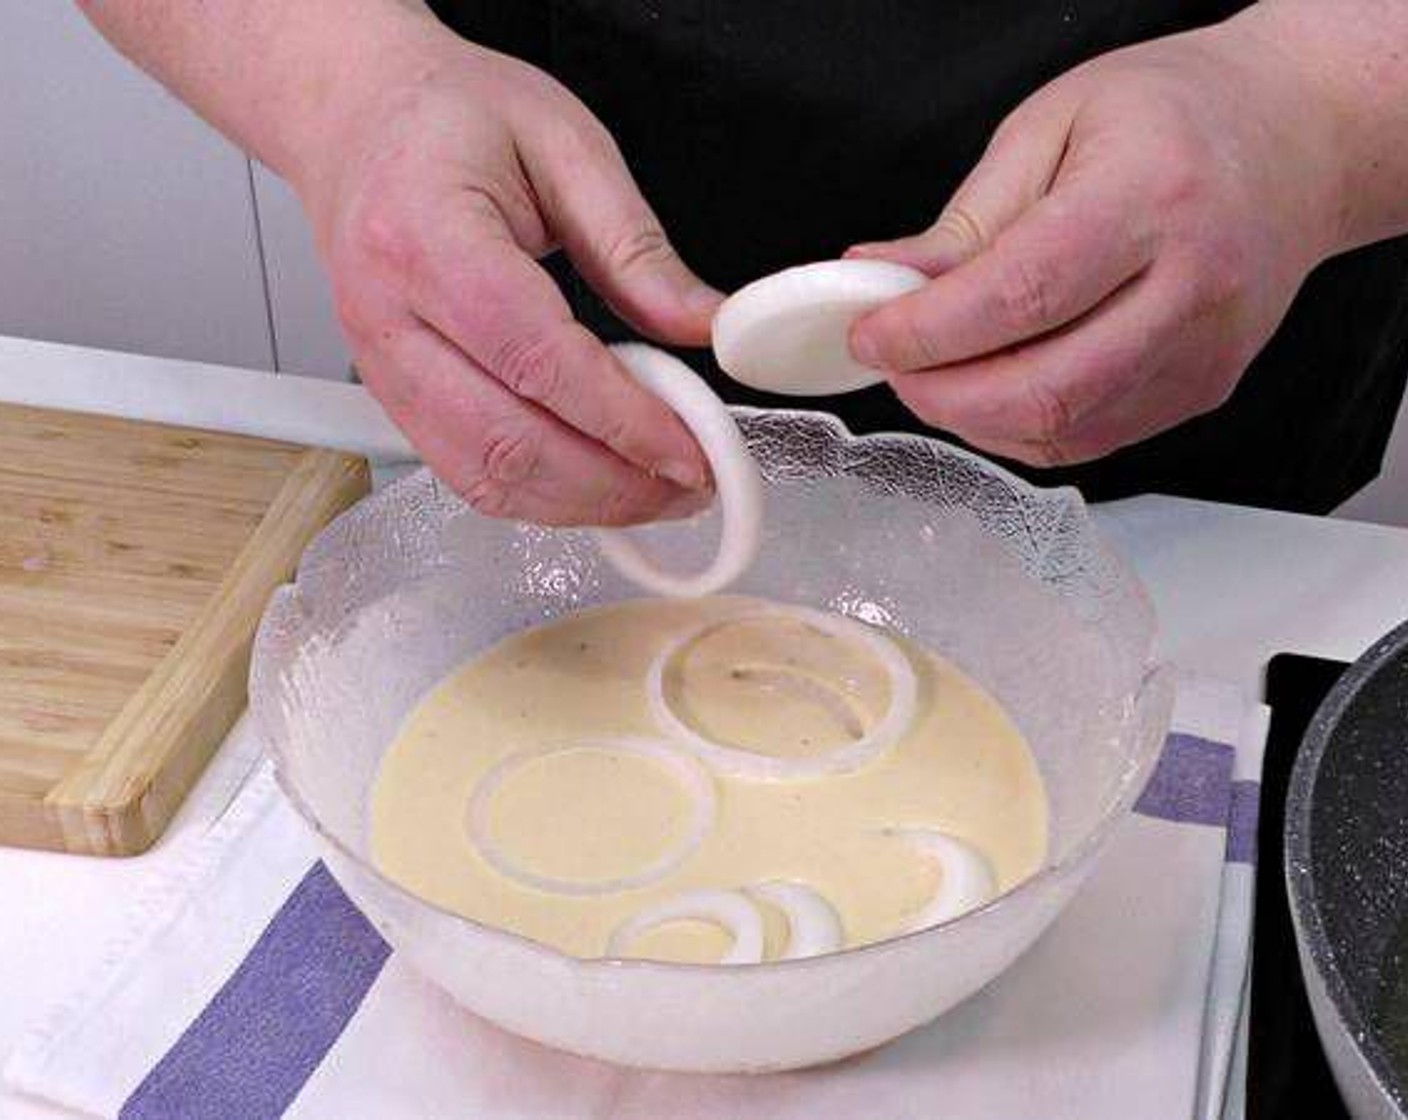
[[775, 686]]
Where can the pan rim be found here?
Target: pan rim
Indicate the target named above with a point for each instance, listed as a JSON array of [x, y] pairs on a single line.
[[1316, 951]]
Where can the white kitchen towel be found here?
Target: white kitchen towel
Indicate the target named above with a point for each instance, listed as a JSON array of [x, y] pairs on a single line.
[[253, 988]]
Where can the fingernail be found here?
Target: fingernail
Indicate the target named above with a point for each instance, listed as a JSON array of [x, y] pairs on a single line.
[[701, 297], [686, 503], [864, 349], [687, 476]]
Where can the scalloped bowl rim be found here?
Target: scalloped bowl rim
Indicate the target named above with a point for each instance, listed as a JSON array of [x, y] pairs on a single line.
[[1156, 675]]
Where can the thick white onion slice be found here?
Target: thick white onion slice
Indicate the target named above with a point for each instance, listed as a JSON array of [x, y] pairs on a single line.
[[813, 926], [966, 878], [696, 782], [740, 763], [728, 909], [789, 332], [736, 481]]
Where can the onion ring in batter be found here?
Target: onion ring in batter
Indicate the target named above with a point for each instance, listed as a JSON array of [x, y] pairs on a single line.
[[967, 878], [740, 763], [813, 926], [690, 774], [728, 909]]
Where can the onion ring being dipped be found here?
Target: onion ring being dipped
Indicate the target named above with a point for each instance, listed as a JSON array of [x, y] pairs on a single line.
[[736, 480]]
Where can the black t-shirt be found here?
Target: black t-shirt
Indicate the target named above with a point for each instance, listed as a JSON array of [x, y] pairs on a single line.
[[768, 133]]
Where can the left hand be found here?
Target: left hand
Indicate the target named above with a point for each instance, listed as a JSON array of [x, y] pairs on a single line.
[[1130, 240]]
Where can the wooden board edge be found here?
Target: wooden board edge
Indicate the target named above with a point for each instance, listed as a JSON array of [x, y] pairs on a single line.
[[29, 823], [120, 796]]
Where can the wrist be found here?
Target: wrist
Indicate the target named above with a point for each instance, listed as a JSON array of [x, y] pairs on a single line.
[[315, 112], [1345, 59], [1304, 152]]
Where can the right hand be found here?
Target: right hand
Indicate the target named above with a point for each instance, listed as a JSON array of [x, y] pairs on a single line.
[[440, 180]]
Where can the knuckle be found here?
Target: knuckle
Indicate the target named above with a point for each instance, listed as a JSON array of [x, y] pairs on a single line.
[[1014, 131], [1026, 293], [1051, 413], [1054, 453], [963, 225], [587, 138], [1178, 183], [1223, 275], [575, 139], [618, 433], [1115, 365], [352, 313], [619, 505], [530, 366], [1043, 454], [381, 236], [1009, 129], [918, 345], [904, 340], [510, 456], [642, 245], [487, 496]]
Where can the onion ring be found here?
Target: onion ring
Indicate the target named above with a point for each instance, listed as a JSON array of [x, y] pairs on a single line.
[[813, 926], [740, 763], [729, 909], [690, 774], [736, 479], [967, 878]]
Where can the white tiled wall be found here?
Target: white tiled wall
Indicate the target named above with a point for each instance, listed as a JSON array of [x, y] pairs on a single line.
[[124, 221], [127, 223]]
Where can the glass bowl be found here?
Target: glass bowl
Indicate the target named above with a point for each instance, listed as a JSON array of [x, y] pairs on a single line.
[[1010, 582]]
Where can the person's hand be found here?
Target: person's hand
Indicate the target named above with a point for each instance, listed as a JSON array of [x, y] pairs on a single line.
[[444, 174], [1129, 242]]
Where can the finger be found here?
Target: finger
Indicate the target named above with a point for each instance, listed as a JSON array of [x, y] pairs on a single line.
[[1184, 381], [1159, 405], [1042, 393], [615, 240], [1062, 257], [1094, 440], [1017, 168], [481, 291], [505, 456]]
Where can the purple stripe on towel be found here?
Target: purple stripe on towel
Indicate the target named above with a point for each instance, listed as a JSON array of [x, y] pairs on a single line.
[[249, 1053], [1242, 820], [1191, 784]]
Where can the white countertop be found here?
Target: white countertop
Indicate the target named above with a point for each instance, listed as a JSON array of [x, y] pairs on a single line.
[[1233, 586]]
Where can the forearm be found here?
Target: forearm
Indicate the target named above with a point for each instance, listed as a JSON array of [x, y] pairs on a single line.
[[271, 75], [1354, 54]]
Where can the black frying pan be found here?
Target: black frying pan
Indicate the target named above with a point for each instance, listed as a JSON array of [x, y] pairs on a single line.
[[1347, 877]]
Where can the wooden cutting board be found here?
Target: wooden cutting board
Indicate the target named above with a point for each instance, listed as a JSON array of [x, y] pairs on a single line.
[[135, 562]]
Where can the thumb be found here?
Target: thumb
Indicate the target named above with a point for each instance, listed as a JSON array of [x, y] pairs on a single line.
[[1016, 170], [598, 215]]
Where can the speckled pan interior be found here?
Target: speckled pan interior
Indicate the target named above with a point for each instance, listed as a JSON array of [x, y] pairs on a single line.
[[1347, 853]]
